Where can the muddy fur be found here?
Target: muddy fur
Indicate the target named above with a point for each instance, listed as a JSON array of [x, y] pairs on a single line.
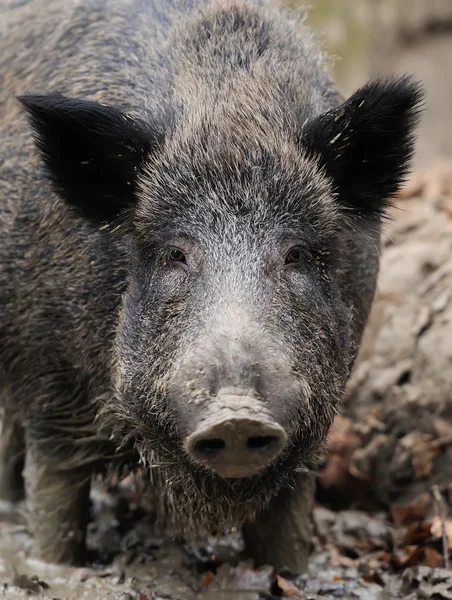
[[208, 126]]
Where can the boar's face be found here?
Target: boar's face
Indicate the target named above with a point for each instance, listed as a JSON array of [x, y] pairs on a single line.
[[235, 337], [234, 316]]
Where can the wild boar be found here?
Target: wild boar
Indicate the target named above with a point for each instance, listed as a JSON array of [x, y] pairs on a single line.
[[189, 223]]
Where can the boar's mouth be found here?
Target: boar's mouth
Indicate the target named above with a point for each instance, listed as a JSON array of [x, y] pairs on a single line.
[[194, 501]]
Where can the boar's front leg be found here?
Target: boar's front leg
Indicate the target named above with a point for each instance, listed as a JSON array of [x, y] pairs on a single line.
[[281, 535], [58, 504]]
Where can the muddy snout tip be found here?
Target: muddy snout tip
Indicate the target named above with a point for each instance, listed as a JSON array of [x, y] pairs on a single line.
[[236, 447]]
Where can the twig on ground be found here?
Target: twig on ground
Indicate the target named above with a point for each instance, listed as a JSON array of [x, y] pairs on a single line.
[[442, 513]]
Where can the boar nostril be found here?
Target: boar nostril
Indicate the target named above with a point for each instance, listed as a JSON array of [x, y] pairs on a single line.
[[261, 443], [212, 446], [236, 445]]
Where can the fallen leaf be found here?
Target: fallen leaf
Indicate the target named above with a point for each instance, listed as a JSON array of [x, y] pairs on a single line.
[[338, 560], [371, 562], [423, 458], [207, 579], [342, 442], [334, 554], [404, 514], [417, 533], [374, 577], [442, 427], [436, 529], [288, 590], [340, 433], [414, 558], [364, 459], [383, 556], [433, 558]]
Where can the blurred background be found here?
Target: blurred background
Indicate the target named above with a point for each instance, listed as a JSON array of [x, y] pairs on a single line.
[[391, 447], [379, 37], [392, 443]]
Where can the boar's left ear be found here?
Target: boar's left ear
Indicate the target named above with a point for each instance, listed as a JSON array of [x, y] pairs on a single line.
[[92, 153], [366, 144]]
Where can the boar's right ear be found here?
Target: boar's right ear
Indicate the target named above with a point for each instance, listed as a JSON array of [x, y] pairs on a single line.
[[92, 152], [366, 144]]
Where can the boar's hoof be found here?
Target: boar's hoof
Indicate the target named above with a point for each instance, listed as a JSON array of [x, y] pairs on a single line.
[[236, 447]]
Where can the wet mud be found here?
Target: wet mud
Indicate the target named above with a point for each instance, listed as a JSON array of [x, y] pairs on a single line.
[[132, 561]]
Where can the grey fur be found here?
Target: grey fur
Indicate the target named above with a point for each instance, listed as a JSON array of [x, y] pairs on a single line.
[[90, 372]]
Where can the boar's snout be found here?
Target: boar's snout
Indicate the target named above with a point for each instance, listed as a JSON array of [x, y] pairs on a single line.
[[236, 443]]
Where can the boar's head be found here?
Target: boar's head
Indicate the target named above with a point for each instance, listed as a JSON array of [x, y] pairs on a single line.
[[252, 234]]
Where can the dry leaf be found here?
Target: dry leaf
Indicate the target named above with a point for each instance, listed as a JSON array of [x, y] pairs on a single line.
[[383, 557], [288, 590], [433, 558], [374, 577], [342, 442], [436, 529], [442, 427], [334, 554], [413, 558], [207, 579], [364, 459], [423, 458], [404, 514], [338, 559], [417, 533]]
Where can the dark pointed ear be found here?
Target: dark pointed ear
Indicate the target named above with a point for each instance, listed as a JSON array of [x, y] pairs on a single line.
[[366, 144], [92, 153]]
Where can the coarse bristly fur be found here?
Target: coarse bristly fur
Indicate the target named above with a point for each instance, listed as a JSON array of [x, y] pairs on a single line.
[[182, 150]]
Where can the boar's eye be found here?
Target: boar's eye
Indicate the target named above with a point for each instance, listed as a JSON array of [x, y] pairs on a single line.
[[176, 255], [294, 256]]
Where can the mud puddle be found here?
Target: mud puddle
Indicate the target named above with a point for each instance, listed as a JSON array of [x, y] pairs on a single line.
[[131, 560]]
